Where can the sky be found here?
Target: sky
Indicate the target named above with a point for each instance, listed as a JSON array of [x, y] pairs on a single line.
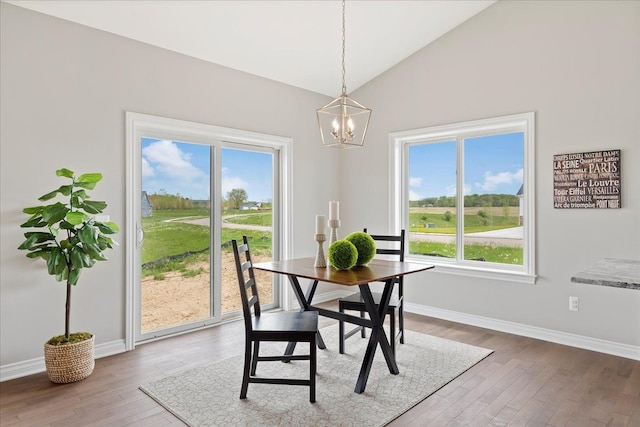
[[492, 164], [173, 167]]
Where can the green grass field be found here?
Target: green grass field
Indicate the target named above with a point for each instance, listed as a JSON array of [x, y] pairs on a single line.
[[488, 253], [437, 221], [168, 234], [255, 218]]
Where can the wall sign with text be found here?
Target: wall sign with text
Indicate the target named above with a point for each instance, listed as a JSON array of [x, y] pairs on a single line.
[[587, 180]]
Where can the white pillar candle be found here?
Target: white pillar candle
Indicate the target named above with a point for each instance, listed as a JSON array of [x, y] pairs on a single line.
[[333, 210], [320, 222]]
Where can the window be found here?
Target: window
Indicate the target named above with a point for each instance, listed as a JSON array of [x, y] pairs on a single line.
[[464, 192]]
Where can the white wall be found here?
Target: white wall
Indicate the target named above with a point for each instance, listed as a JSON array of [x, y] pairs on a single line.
[[64, 92], [577, 66]]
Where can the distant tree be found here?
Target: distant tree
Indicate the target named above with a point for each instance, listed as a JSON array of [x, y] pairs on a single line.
[[237, 197], [447, 216], [165, 201]]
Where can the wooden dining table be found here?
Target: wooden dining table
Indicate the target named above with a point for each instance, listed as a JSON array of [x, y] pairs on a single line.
[[377, 270]]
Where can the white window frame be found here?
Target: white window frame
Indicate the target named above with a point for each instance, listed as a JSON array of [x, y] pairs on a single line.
[[138, 125], [399, 143]]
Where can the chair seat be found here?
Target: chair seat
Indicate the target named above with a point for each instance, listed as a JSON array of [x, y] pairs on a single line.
[[356, 300], [286, 322]]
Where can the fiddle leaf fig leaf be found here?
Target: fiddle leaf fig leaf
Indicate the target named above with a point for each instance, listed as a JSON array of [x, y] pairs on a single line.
[[107, 227], [33, 210], [74, 275], [56, 262], [93, 206], [76, 218], [54, 213], [88, 235], [64, 172], [48, 196], [34, 221], [66, 225], [88, 180], [94, 252], [79, 258], [65, 190], [35, 238]]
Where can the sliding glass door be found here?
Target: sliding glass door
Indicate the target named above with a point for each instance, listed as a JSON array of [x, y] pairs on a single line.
[[196, 194]]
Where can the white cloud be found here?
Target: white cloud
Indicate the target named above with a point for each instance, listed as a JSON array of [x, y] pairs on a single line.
[[231, 182], [415, 181], [414, 196], [147, 169], [450, 190], [168, 168], [493, 181], [167, 159]]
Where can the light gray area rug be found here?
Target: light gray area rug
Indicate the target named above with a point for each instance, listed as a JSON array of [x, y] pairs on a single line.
[[209, 395]]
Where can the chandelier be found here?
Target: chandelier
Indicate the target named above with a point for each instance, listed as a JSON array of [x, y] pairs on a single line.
[[343, 122]]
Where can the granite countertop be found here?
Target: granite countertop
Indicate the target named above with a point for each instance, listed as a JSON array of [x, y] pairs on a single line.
[[619, 273]]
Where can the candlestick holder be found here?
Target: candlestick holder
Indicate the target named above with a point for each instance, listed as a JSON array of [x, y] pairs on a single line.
[[320, 260], [333, 225]]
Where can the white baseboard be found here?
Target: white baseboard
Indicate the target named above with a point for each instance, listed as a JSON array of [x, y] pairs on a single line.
[[34, 366], [565, 338]]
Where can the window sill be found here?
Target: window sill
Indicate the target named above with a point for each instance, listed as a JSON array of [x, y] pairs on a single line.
[[479, 273]]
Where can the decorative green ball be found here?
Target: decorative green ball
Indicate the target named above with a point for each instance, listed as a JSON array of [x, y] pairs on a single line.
[[343, 254], [365, 245]]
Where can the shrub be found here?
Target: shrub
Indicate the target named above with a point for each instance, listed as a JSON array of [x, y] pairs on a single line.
[[342, 254], [365, 245]]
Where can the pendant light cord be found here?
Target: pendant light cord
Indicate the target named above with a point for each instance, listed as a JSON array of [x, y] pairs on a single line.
[[344, 85]]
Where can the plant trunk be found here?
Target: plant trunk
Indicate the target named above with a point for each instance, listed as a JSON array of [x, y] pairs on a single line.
[[67, 310]]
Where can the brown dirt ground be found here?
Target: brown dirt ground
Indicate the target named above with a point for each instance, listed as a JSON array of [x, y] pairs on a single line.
[[176, 299]]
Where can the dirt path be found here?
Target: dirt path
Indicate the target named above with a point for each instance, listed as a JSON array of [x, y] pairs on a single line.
[[225, 223], [177, 299]]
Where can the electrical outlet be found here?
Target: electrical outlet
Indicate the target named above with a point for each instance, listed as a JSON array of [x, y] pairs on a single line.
[[573, 303]]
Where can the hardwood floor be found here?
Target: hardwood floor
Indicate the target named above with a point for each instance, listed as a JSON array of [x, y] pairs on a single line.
[[525, 382]]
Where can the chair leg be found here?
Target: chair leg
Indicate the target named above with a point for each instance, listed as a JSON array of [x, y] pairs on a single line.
[[401, 321], [340, 331], [312, 372], [245, 370], [392, 330], [362, 329], [254, 360]]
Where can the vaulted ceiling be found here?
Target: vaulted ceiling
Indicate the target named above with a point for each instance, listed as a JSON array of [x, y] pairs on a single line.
[[295, 42]]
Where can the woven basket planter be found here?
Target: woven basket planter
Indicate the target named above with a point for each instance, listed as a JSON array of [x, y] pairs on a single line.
[[70, 362]]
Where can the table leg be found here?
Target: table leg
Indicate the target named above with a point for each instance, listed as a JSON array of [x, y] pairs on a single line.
[[378, 335], [305, 301]]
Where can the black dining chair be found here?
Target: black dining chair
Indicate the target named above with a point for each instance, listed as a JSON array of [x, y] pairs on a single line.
[[354, 302], [280, 326]]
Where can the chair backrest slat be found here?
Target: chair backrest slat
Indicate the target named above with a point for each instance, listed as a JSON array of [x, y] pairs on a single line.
[[253, 300], [399, 251]]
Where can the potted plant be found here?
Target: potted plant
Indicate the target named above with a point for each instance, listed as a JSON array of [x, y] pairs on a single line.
[[69, 237]]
